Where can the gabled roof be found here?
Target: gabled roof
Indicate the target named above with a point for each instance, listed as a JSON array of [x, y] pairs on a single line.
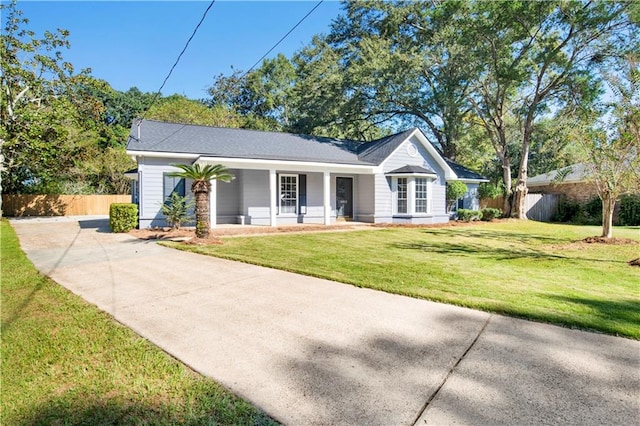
[[204, 141], [379, 150], [570, 174]]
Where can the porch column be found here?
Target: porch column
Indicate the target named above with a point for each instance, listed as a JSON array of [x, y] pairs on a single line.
[[326, 197], [273, 195], [213, 208]]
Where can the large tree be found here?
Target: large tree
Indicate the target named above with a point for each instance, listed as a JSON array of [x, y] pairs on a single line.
[[611, 146], [391, 64], [54, 136]]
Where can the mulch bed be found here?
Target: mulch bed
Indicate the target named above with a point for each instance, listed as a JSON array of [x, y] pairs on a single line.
[[605, 240]]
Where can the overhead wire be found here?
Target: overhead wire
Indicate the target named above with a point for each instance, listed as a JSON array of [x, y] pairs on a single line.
[[282, 39], [195, 30]]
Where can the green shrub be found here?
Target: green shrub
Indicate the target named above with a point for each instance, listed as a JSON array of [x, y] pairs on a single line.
[[488, 214], [123, 217], [468, 215], [630, 210], [566, 211], [455, 190], [176, 209], [489, 190]]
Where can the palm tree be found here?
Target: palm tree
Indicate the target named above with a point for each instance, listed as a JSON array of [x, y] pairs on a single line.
[[201, 187]]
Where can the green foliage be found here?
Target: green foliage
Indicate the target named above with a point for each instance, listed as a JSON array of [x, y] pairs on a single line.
[[570, 211], [630, 210], [467, 215], [176, 209], [566, 211], [455, 190], [488, 214], [54, 136], [201, 185], [490, 190], [123, 217]]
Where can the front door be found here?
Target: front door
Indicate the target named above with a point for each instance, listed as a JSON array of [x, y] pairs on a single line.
[[344, 197]]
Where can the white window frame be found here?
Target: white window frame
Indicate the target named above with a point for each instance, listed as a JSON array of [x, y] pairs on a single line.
[[406, 193], [426, 195], [411, 195], [297, 199]]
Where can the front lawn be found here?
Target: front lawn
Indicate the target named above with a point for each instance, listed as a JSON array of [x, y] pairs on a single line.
[[520, 268], [66, 362]]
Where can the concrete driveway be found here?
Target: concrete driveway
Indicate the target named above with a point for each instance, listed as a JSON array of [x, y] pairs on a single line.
[[311, 351]]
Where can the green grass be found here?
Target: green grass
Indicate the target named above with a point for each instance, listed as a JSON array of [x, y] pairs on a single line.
[[66, 362], [521, 268]]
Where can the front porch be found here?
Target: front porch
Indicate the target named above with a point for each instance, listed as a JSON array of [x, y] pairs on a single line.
[[277, 197]]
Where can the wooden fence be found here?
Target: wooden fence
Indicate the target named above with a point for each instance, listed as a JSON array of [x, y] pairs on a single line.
[[540, 207], [59, 205]]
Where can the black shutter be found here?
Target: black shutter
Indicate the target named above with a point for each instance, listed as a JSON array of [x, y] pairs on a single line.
[[302, 193]]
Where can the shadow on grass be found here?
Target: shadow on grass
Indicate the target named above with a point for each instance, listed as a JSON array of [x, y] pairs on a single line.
[[478, 250], [496, 235], [627, 311], [497, 253], [203, 405]]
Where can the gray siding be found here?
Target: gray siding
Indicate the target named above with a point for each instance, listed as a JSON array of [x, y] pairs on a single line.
[[254, 197], [383, 190], [151, 189], [228, 195], [366, 197]]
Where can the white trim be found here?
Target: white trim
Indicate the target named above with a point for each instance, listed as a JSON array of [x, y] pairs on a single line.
[[326, 196], [213, 202], [425, 175], [284, 175], [289, 166], [273, 193], [469, 180], [161, 154]]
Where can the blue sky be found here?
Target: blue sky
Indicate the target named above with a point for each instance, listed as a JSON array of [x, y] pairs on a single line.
[[135, 43]]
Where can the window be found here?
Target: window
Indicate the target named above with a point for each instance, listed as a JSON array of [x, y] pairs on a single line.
[[402, 195], [421, 195], [412, 195], [288, 194], [172, 184]]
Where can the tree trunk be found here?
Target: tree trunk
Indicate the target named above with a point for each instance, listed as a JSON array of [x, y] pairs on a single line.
[[202, 214], [608, 203], [519, 204], [506, 178]]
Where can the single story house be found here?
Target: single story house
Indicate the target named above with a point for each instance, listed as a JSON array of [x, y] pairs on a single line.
[[283, 178], [572, 182]]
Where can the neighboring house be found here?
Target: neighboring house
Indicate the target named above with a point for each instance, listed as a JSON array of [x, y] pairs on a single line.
[[572, 182], [283, 178]]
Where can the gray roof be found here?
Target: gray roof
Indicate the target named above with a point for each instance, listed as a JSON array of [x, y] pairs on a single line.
[[241, 143], [462, 172], [157, 136], [570, 174], [377, 151], [411, 170]]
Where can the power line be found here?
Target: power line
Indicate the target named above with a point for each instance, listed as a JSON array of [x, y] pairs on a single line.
[[285, 36], [157, 94]]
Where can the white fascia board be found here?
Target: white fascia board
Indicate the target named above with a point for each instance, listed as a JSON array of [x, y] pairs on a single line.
[[448, 172], [429, 175], [470, 180], [153, 154], [283, 165]]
